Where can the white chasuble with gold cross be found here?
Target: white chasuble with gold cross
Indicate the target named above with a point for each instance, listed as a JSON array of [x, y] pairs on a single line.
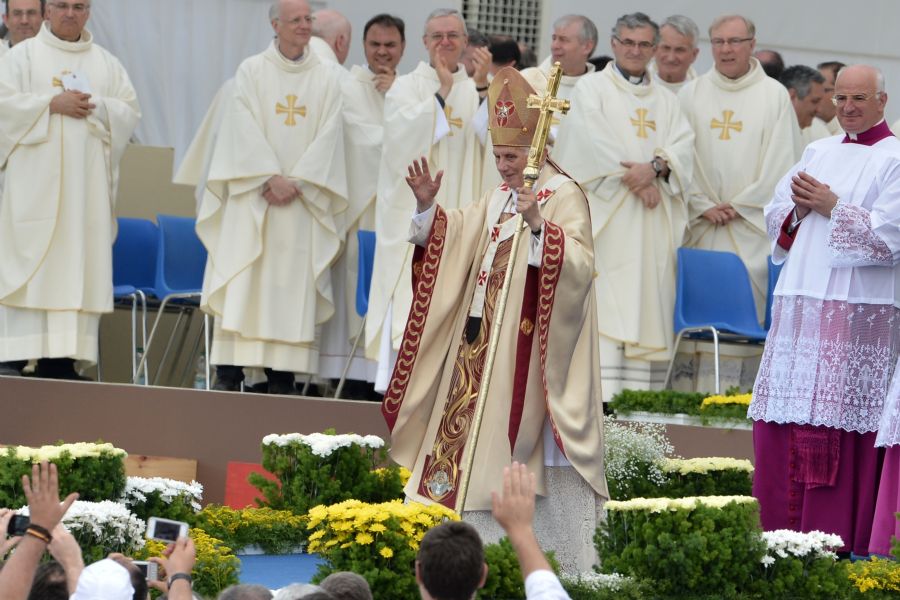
[[747, 137], [268, 275], [56, 212], [612, 120], [416, 125]]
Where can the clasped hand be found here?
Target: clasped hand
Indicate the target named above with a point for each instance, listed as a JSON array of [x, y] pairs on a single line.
[[639, 178], [279, 191], [810, 194], [72, 104]]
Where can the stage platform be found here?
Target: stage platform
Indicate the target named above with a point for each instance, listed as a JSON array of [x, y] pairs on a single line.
[[215, 428]]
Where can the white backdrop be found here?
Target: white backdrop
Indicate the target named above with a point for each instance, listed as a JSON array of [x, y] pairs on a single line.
[[178, 52]]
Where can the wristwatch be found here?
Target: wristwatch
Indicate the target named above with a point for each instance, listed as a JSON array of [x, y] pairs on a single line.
[[176, 576], [657, 166]]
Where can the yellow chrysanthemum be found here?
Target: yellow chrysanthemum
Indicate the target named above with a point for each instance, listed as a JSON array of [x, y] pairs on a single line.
[[364, 538], [377, 528], [386, 552]]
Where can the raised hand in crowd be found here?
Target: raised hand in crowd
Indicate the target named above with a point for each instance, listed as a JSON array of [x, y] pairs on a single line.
[[6, 544], [67, 553], [445, 76], [46, 511], [178, 559]]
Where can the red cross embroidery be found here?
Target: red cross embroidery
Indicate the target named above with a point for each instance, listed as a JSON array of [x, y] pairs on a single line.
[[541, 195], [495, 233], [482, 277], [503, 110]]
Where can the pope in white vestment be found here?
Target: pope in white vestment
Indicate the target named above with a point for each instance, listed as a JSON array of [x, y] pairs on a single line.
[[416, 124], [612, 121], [746, 138], [268, 279], [56, 214]]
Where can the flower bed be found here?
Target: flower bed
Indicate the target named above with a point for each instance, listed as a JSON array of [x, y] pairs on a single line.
[[378, 541], [803, 565], [273, 531], [161, 497], [216, 568], [101, 528], [324, 468], [685, 408], [714, 476], [95, 471], [634, 454], [693, 546]]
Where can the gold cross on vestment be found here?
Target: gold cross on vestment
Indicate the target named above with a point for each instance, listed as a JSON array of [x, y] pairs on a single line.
[[455, 122], [57, 81], [725, 125], [642, 123], [290, 110]]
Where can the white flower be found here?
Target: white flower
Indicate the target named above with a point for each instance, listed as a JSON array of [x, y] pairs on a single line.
[[705, 465], [630, 444], [322, 444], [77, 450], [169, 490], [816, 544], [105, 523], [597, 581], [657, 505]]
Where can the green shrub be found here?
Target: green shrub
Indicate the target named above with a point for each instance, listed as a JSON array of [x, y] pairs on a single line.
[[323, 468], [693, 546], [504, 578], [802, 565], [275, 531], [657, 401], [95, 471], [161, 497], [714, 476]]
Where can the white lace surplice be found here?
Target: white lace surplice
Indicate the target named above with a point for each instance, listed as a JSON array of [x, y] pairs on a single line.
[[835, 335]]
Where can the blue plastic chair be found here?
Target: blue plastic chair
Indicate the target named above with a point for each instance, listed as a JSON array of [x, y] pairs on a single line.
[[365, 265], [774, 272], [180, 262], [713, 301], [134, 276]]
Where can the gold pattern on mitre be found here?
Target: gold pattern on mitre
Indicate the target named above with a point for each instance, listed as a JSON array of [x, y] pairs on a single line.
[[510, 120], [526, 326]]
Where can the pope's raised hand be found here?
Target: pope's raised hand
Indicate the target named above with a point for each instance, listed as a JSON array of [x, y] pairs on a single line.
[[423, 187]]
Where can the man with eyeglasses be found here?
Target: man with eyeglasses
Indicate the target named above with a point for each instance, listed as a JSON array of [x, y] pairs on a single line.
[[271, 217], [427, 112], [673, 61], [820, 394], [23, 19], [628, 144], [746, 138], [67, 111]]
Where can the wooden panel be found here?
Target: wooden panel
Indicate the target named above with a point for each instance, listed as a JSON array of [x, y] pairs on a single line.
[[141, 465]]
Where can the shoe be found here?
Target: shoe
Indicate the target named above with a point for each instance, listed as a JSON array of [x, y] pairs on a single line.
[[228, 378], [281, 382], [12, 368], [58, 368]]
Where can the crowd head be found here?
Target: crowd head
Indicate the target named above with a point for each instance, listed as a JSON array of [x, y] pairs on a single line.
[[574, 40], [23, 19], [677, 49], [733, 39]]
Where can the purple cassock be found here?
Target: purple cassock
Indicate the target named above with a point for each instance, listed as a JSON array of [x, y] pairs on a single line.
[[834, 342]]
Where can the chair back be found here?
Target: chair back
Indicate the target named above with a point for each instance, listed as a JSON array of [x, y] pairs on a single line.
[[774, 272], [713, 289], [134, 253], [181, 259], [365, 266]]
